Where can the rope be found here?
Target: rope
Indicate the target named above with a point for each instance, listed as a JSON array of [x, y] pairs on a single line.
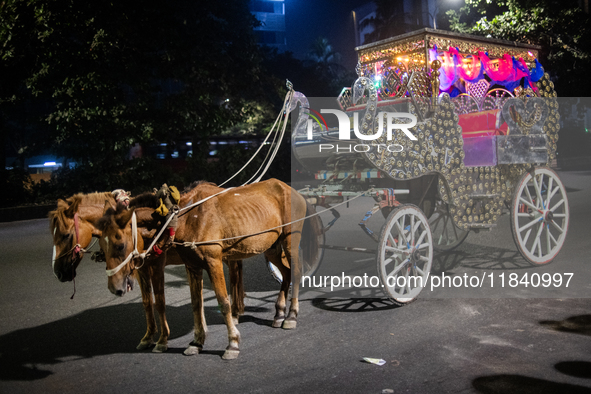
[[283, 115], [94, 241], [133, 254], [194, 244], [287, 100]]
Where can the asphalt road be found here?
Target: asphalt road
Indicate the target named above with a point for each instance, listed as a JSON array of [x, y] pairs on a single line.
[[459, 340]]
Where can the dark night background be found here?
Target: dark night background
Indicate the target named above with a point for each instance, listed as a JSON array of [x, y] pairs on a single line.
[[82, 83]]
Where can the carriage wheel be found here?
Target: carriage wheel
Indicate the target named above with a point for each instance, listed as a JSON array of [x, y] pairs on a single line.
[[539, 215], [446, 235], [309, 268], [405, 254]]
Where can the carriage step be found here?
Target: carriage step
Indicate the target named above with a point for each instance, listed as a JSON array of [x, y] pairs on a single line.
[[483, 196], [349, 249], [481, 225]]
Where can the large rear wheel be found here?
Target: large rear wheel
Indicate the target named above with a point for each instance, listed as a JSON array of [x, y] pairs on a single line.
[[539, 215]]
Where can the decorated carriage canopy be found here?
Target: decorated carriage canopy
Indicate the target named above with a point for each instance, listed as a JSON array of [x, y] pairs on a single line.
[[482, 111], [467, 64]]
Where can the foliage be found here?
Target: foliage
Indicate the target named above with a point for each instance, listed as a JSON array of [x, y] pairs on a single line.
[[560, 27], [118, 73], [325, 64]]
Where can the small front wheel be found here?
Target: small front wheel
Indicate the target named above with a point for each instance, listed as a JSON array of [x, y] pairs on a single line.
[[405, 254]]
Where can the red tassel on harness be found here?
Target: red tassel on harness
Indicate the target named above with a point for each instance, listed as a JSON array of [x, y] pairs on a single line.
[[157, 250]]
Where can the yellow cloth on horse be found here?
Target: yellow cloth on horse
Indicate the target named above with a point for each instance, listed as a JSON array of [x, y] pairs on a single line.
[[175, 194], [162, 210]]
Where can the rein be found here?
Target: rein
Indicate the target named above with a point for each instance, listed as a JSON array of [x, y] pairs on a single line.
[[77, 248], [193, 245], [136, 254], [133, 254]]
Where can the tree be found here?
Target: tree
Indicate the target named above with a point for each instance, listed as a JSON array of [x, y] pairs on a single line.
[[326, 65], [562, 28], [108, 75]]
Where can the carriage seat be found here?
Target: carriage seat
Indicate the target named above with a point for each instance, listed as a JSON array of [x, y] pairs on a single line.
[[479, 131], [478, 124]]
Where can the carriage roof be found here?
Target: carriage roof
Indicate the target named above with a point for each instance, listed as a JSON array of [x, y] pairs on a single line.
[[416, 44]]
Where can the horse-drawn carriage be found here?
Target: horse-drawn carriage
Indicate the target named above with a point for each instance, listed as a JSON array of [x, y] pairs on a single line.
[[475, 128], [485, 119]]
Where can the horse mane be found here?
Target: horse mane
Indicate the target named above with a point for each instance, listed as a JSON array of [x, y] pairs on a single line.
[[57, 217], [96, 198], [195, 184], [193, 189], [147, 199]]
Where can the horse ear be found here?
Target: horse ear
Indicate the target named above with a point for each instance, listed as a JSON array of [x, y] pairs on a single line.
[[107, 206], [73, 208], [103, 222], [124, 217]]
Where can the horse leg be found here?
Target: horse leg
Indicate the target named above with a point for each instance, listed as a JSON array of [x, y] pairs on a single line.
[[157, 274], [147, 301], [290, 241], [274, 256], [195, 276], [216, 275], [237, 289]]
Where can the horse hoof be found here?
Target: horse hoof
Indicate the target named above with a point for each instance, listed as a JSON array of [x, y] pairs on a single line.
[[144, 345], [159, 348], [277, 323], [231, 354], [289, 324], [192, 350]]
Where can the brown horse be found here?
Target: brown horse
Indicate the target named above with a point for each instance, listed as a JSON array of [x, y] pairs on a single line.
[[265, 217], [72, 225], [80, 210]]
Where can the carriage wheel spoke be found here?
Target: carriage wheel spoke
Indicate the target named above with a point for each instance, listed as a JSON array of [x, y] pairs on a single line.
[[412, 230], [537, 242], [401, 231], [423, 246], [531, 223], [394, 250], [528, 204], [397, 269], [552, 237], [407, 283], [539, 200], [531, 200], [559, 203], [422, 237], [549, 191], [557, 226], [526, 236], [548, 245], [392, 240]]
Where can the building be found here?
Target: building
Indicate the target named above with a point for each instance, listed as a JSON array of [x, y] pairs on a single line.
[[271, 14], [403, 16]]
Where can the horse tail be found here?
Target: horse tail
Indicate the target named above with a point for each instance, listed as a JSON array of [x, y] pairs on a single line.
[[311, 231]]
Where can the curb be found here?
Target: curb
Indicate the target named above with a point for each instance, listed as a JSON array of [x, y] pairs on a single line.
[[25, 213]]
